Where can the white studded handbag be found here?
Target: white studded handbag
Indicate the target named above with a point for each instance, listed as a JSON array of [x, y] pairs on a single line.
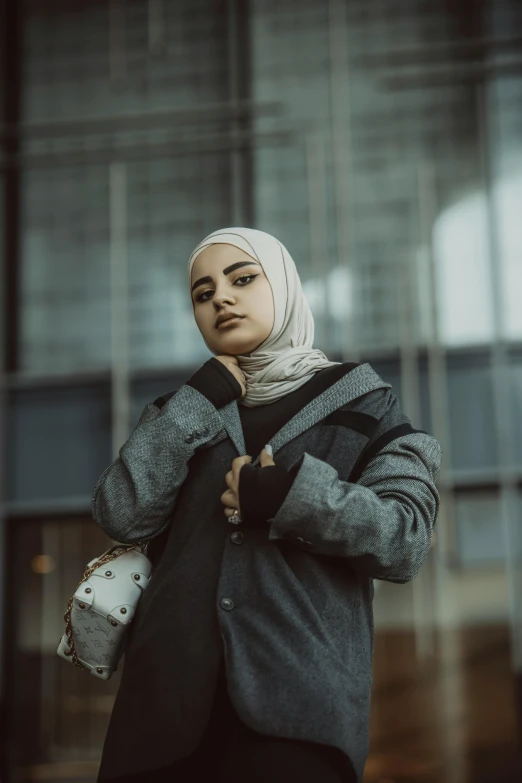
[[101, 610]]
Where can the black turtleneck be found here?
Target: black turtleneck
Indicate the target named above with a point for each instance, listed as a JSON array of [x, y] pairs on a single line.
[[262, 490]]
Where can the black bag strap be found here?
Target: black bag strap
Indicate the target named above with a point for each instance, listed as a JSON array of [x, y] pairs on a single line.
[[372, 449]]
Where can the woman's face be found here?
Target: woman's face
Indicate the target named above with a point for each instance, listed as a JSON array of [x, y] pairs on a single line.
[[225, 279]]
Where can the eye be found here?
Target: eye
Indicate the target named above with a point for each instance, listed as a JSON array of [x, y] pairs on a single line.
[[248, 278]]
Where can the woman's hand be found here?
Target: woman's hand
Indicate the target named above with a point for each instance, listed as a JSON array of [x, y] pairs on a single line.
[[230, 498]]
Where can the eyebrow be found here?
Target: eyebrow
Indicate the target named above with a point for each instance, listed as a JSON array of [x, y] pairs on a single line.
[[226, 271]]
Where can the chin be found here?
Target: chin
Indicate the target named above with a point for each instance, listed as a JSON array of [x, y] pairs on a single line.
[[236, 350], [232, 346]]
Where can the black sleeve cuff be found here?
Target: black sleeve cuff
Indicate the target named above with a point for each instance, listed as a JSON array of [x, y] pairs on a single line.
[[262, 492], [216, 382]]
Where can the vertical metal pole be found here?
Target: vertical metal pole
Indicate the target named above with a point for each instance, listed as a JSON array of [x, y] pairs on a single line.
[[342, 173], [156, 24], [236, 167], [437, 364], [240, 89], [117, 43], [49, 702], [317, 225], [408, 348], [3, 464], [406, 285], [11, 35], [502, 380], [119, 298], [4, 674], [445, 614]]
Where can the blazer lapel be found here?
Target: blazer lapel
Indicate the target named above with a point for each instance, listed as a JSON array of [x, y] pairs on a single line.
[[359, 381]]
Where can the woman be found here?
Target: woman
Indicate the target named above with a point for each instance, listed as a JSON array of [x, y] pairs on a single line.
[[249, 658]]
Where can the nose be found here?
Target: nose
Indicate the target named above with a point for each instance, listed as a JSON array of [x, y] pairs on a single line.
[[219, 298]]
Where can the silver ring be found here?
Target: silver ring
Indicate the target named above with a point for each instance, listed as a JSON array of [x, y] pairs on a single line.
[[234, 518]]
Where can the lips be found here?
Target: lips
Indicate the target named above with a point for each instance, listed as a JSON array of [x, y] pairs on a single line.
[[227, 318], [234, 320]]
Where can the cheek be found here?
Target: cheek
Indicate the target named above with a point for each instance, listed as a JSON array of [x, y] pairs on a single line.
[[268, 308], [265, 302], [204, 321]]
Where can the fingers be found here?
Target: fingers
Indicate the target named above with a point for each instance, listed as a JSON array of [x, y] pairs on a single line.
[[229, 499], [238, 463], [265, 458], [230, 496]]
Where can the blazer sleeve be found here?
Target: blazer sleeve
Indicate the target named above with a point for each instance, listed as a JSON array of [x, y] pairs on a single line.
[[383, 523], [135, 496]]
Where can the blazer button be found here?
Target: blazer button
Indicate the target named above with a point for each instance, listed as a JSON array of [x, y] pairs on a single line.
[[197, 433], [205, 431], [227, 603], [237, 537], [189, 439]]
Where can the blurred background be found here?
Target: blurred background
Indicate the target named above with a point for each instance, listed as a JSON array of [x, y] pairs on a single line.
[[381, 141]]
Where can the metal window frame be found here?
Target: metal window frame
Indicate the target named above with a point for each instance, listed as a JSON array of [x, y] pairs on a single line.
[[10, 76]]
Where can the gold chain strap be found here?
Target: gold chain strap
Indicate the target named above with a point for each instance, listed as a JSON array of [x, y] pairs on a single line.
[[106, 558]]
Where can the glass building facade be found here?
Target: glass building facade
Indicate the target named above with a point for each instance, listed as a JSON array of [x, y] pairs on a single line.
[[381, 142]]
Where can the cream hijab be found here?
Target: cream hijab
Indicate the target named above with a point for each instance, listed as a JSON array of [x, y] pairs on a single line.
[[285, 360]]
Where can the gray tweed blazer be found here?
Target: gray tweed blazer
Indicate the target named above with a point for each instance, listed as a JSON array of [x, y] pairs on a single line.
[[288, 604]]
